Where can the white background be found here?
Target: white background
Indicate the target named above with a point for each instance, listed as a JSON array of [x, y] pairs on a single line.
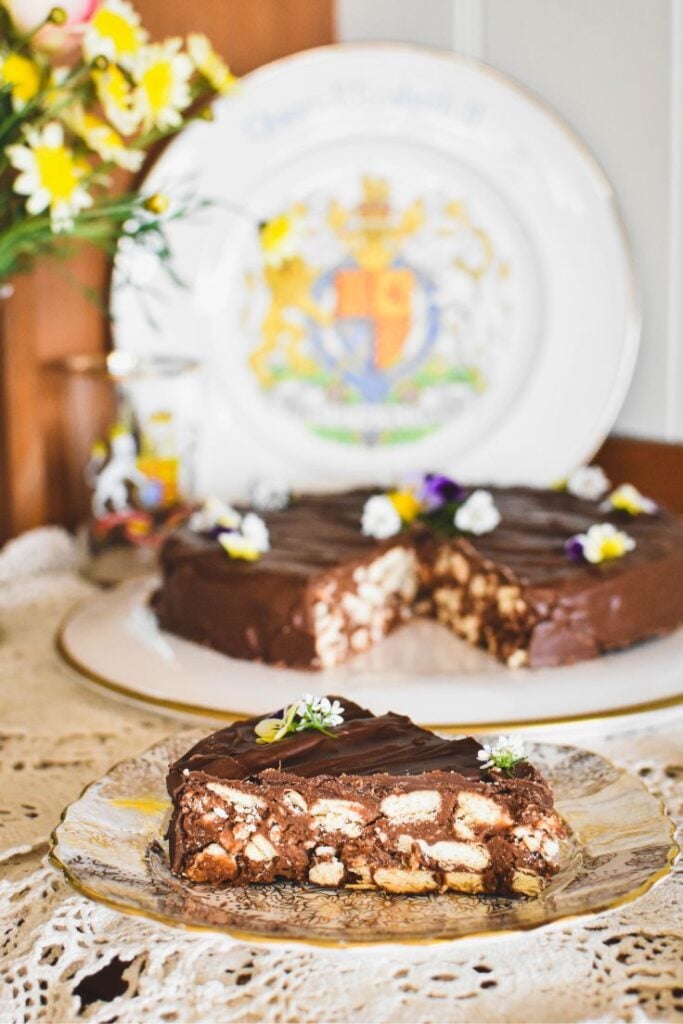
[[614, 70]]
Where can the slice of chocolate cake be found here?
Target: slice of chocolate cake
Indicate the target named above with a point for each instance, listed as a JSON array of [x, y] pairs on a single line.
[[324, 590], [375, 802]]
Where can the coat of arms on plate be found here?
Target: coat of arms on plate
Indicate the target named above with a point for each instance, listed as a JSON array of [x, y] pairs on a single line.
[[374, 321]]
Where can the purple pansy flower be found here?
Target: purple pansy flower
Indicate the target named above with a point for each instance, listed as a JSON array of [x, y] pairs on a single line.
[[437, 490], [573, 548]]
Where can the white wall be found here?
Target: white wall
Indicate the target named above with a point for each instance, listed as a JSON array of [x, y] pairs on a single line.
[[614, 70]]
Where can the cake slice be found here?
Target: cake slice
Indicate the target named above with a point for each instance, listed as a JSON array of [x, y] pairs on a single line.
[[372, 801]]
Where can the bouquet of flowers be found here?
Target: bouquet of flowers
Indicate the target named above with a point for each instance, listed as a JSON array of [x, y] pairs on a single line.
[[82, 92]]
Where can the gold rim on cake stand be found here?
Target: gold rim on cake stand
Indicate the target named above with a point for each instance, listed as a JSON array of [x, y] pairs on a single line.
[[186, 708]]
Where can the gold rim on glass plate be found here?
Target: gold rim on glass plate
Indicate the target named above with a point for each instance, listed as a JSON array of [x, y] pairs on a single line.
[[78, 834]]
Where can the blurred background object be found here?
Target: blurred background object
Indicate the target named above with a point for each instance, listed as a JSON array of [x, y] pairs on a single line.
[[48, 317], [130, 428], [612, 68]]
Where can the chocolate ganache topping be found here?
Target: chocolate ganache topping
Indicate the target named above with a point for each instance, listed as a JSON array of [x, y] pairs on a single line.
[[363, 745]]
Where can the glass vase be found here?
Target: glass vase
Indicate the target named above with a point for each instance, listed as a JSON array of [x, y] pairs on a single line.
[[131, 436]]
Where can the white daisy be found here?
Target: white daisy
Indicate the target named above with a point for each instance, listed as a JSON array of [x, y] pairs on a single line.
[[209, 64], [104, 140], [50, 175], [115, 93], [478, 514], [22, 75], [114, 32], [162, 74]]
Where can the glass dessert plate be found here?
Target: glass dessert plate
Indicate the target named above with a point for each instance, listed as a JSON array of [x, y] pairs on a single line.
[[110, 845]]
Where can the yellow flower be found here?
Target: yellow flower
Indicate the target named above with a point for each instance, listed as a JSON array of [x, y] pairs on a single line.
[[406, 504], [157, 203], [209, 64], [50, 175], [270, 730], [162, 74], [628, 498], [23, 75], [116, 96], [237, 546], [280, 238], [603, 543], [114, 32], [104, 140]]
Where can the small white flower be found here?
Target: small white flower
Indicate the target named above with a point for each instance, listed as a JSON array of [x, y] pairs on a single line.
[[504, 753], [308, 701], [315, 713], [588, 482], [255, 531], [269, 495], [478, 514], [334, 712], [318, 713], [214, 513], [603, 542], [628, 498], [380, 517]]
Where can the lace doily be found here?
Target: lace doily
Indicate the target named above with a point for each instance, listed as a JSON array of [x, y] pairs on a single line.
[[61, 954]]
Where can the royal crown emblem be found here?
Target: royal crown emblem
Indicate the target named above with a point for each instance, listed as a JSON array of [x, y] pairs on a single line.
[[361, 328]]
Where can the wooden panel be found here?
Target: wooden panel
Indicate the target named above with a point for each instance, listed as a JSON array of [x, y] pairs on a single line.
[[23, 496], [655, 468], [50, 317]]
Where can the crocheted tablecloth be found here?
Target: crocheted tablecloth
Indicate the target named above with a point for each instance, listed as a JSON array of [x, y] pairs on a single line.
[[64, 958]]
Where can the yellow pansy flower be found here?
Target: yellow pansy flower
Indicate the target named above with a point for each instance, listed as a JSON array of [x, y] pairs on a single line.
[[237, 546], [628, 498], [50, 175], [209, 64], [23, 75], [406, 504], [114, 32], [104, 140], [162, 74], [602, 542], [116, 96]]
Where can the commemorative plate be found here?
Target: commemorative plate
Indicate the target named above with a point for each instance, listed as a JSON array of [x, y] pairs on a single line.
[[110, 845], [421, 670], [445, 282]]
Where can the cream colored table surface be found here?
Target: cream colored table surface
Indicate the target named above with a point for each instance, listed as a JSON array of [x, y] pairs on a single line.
[[56, 736]]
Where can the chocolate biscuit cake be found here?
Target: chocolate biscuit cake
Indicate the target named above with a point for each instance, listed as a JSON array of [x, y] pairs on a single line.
[[374, 802], [324, 590]]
